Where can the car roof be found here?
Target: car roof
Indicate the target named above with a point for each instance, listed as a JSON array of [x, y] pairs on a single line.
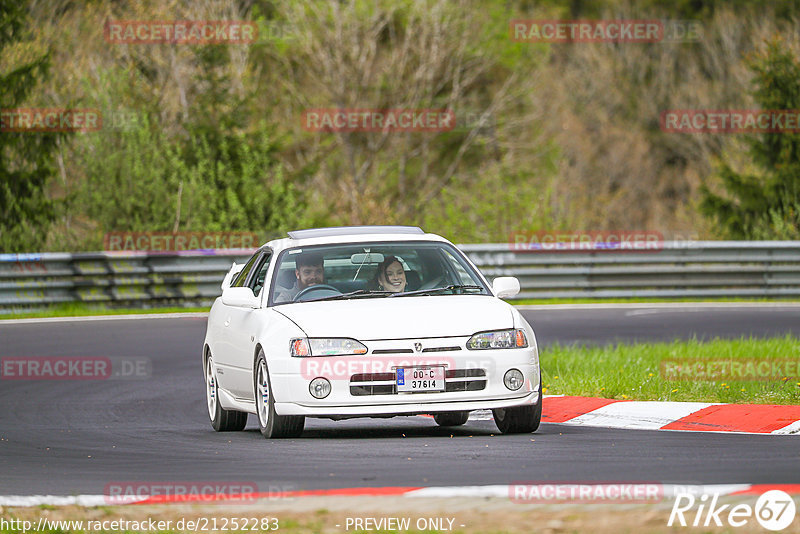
[[354, 230], [352, 234]]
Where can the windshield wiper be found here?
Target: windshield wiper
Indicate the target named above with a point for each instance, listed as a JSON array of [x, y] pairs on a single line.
[[357, 293], [436, 290]]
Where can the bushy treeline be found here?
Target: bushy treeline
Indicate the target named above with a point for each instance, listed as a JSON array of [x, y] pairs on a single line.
[[547, 137]]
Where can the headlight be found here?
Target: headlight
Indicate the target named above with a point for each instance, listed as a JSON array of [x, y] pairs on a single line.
[[336, 346], [502, 339]]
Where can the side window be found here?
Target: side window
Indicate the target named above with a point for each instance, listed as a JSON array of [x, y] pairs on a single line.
[[242, 276], [257, 284]]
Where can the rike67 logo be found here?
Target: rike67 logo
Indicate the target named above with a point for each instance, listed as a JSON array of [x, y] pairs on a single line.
[[774, 510]]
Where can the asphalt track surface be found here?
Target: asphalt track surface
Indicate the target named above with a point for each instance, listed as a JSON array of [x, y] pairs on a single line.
[[76, 437]]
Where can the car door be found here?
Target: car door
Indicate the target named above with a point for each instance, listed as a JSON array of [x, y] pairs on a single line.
[[233, 371], [243, 324]]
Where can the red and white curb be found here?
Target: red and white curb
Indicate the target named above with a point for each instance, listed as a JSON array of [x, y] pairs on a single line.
[[688, 416], [504, 491]]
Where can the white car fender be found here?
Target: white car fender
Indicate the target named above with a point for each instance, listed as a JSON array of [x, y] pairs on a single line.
[[520, 322], [278, 327]]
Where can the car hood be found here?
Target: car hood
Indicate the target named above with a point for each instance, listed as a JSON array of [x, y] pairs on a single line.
[[400, 317]]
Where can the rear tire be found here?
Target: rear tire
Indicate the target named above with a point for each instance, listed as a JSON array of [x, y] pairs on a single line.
[[522, 419], [222, 420], [451, 418], [271, 424]]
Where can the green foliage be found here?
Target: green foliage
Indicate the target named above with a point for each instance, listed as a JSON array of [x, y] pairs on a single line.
[[26, 159], [143, 181], [765, 205], [217, 173], [679, 9], [218, 145], [238, 185], [131, 179], [499, 203]]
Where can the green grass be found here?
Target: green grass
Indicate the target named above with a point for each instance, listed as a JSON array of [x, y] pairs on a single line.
[[79, 309], [633, 371]]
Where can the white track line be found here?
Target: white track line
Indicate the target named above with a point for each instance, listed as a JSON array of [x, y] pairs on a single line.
[[64, 500], [504, 491], [793, 428], [638, 414], [507, 491]]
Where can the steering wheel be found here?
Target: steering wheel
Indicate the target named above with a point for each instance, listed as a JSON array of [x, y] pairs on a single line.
[[316, 287]]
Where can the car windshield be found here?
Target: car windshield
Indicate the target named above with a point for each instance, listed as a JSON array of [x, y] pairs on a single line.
[[373, 270]]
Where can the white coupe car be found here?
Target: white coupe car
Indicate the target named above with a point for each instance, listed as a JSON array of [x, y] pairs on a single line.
[[370, 321]]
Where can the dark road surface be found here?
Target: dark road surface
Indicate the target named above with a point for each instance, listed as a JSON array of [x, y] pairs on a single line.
[[76, 437]]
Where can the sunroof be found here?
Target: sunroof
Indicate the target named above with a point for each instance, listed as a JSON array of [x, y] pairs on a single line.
[[352, 230]]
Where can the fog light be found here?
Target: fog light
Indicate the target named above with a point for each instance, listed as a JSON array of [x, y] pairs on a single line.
[[321, 388], [513, 379]]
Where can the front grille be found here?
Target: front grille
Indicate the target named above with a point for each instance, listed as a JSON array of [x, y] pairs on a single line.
[[363, 391], [465, 373], [392, 351], [372, 377], [364, 384], [409, 351]]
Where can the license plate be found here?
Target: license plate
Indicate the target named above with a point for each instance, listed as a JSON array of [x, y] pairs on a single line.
[[420, 378]]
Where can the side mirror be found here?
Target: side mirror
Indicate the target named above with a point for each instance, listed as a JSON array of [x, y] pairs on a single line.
[[234, 270], [505, 287], [241, 297]]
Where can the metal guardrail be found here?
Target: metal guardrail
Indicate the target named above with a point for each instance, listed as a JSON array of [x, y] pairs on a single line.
[[678, 269], [115, 278]]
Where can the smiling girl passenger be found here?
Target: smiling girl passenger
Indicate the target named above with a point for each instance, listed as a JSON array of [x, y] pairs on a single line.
[[390, 276]]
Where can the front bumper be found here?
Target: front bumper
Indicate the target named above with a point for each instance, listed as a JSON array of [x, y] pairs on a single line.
[[292, 397], [291, 408]]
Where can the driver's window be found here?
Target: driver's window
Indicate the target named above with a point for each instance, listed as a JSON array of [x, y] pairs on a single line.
[[257, 283]]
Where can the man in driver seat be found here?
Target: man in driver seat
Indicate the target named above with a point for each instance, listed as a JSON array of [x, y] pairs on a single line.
[[308, 272]]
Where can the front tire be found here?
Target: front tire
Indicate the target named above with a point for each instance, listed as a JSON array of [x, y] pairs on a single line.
[[271, 424], [222, 420], [451, 418], [522, 419]]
